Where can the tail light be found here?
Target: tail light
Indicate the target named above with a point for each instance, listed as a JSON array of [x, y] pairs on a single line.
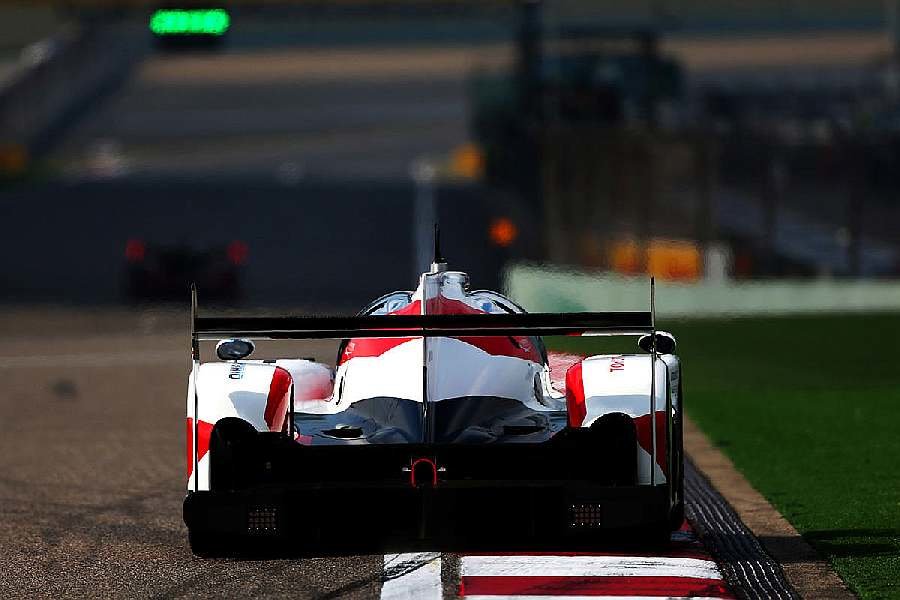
[[237, 253], [135, 250]]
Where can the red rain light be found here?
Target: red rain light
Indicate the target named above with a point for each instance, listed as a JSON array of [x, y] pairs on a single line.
[[422, 461], [135, 250], [237, 253]]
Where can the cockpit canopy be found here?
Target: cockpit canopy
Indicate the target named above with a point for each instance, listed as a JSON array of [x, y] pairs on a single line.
[[485, 301]]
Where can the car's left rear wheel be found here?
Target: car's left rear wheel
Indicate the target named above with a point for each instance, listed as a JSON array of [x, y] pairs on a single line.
[[206, 544]]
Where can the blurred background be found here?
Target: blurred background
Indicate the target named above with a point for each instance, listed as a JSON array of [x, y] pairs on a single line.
[[295, 153]]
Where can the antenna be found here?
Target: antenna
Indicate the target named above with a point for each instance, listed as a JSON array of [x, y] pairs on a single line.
[[438, 263], [437, 245], [653, 380], [195, 348]]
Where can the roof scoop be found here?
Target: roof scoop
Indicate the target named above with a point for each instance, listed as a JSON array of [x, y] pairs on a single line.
[[438, 263]]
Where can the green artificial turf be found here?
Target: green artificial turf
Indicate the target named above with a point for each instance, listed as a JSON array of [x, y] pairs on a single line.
[[808, 408]]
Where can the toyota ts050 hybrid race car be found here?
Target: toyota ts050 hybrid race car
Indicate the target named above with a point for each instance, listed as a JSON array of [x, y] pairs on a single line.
[[444, 424]]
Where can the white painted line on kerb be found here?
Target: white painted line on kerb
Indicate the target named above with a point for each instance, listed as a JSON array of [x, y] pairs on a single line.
[[412, 576], [588, 566]]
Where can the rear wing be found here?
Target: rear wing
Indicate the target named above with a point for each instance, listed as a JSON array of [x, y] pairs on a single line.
[[584, 323]]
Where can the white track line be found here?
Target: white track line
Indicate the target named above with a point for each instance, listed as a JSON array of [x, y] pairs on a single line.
[[96, 359], [588, 566], [412, 576]]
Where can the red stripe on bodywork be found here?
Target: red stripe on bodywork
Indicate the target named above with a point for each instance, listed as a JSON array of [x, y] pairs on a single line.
[[363, 347], [278, 399], [593, 586], [513, 346], [575, 396], [204, 430], [642, 427], [559, 363]]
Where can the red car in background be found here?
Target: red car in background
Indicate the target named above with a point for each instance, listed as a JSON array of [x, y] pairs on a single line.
[[159, 272]]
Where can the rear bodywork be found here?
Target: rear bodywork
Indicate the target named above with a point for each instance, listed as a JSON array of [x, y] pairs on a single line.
[[444, 424]]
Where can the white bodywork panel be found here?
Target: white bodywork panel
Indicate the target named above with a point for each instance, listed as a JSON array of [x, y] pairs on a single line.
[[312, 381], [467, 370], [241, 389], [222, 394], [397, 373], [621, 383]]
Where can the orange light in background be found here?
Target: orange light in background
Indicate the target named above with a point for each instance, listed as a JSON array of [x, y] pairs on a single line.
[[503, 232], [672, 260], [675, 260], [135, 250], [237, 252], [468, 161], [13, 159], [625, 257]]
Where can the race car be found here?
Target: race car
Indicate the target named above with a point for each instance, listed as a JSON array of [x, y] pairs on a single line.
[[161, 272], [443, 423]]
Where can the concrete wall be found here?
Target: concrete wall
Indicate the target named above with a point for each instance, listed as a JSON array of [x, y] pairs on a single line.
[[22, 24], [324, 245], [551, 290]]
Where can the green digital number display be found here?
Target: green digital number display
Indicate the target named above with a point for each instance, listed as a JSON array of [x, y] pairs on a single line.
[[206, 21]]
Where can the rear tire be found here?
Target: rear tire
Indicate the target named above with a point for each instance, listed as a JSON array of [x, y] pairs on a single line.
[[676, 519], [658, 536], [224, 444], [205, 544], [615, 437]]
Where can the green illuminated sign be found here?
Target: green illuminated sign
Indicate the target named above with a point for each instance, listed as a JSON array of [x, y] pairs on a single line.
[[206, 21]]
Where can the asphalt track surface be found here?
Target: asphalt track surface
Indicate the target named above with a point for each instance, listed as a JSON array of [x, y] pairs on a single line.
[[92, 480]]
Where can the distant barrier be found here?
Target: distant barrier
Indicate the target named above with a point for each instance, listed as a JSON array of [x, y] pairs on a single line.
[[540, 288], [60, 78], [297, 254]]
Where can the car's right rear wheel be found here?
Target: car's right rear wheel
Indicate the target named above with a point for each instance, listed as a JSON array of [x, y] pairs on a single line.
[[676, 518]]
